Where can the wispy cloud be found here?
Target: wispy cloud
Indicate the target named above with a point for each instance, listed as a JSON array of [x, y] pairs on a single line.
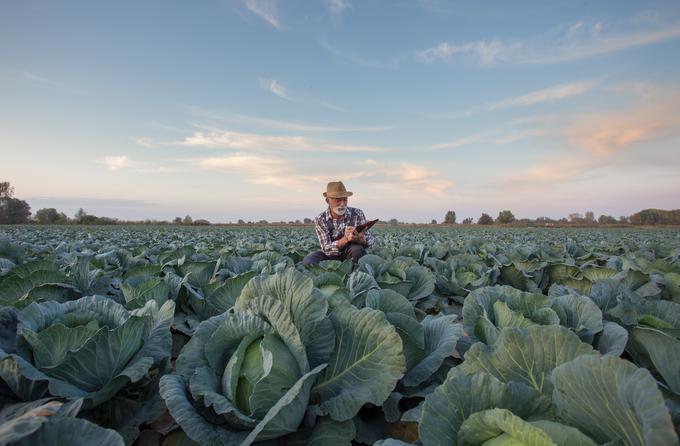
[[121, 162], [258, 166], [275, 87], [399, 178], [487, 53], [392, 63], [607, 133], [597, 140], [337, 6], [404, 177], [267, 10], [229, 139], [550, 94], [499, 136], [565, 44], [261, 170], [278, 89], [268, 123], [146, 142], [40, 80], [118, 162], [47, 83]]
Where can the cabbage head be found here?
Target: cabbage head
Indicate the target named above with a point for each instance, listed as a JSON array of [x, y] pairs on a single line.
[[89, 348], [250, 374], [247, 375]]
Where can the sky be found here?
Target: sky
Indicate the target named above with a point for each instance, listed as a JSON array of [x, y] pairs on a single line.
[[245, 109]]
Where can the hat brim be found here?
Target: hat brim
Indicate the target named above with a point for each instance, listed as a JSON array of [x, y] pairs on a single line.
[[338, 194]]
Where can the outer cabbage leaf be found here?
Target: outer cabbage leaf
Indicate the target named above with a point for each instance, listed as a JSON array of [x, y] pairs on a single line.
[[89, 348], [502, 427], [526, 355], [610, 399], [366, 364], [483, 317], [462, 395]]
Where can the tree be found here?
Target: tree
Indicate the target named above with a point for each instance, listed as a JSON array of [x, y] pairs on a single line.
[[467, 221], [393, 221], [433, 222], [187, 220], [606, 220], [450, 218], [590, 217], [6, 190], [79, 216], [50, 216], [308, 221], [485, 219], [505, 217], [177, 221], [575, 217], [241, 222], [14, 211], [655, 217]]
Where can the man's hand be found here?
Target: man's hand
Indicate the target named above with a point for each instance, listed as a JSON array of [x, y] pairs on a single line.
[[349, 233]]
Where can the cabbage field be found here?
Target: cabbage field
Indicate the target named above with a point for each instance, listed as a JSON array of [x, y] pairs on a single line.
[[439, 336]]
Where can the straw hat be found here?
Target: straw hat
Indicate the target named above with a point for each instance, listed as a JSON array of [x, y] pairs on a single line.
[[335, 189]]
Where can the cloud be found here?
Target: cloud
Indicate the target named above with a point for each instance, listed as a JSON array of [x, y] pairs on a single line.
[[146, 142], [275, 87], [550, 94], [486, 52], [285, 125], [229, 139], [117, 162], [598, 140], [362, 61], [120, 162], [266, 9], [564, 44], [49, 84], [398, 178], [261, 170], [252, 165], [337, 6], [499, 136], [606, 134], [404, 178], [40, 80]]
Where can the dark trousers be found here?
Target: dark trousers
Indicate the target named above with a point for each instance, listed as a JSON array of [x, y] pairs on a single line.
[[351, 250]]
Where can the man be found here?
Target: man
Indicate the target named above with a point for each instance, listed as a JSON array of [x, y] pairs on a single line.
[[335, 228]]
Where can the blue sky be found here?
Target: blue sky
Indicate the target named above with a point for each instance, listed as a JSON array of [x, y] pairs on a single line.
[[245, 109]]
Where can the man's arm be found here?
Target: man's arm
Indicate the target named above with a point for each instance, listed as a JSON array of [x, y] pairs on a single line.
[[328, 246]]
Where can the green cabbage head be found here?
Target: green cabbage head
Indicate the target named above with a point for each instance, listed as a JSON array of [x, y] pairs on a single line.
[[250, 374], [89, 348], [247, 375]]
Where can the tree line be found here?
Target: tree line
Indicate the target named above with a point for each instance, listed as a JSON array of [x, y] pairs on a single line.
[[17, 211], [646, 217]]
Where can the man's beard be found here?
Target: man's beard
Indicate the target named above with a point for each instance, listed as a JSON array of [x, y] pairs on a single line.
[[340, 210]]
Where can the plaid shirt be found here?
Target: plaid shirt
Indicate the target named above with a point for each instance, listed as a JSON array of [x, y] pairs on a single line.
[[330, 230]]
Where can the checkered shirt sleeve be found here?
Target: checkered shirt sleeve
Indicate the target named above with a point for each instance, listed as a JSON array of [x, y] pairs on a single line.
[[328, 246]]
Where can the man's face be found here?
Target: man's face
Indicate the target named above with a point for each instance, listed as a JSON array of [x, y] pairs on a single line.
[[337, 205]]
